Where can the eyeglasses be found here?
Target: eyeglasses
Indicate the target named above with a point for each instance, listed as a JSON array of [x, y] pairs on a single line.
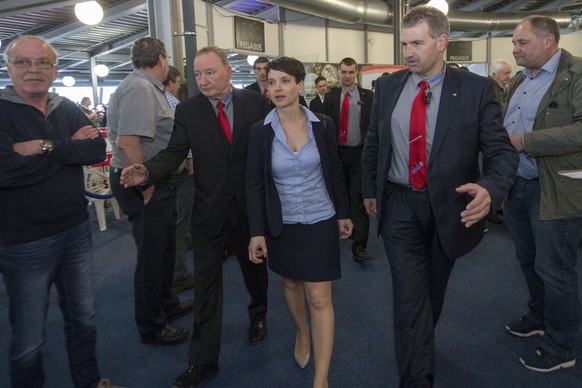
[[42, 64]]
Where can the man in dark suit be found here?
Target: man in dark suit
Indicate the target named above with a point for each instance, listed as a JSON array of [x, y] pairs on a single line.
[[429, 217], [215, 125], [316, 105], [356, 119], [260, 67]]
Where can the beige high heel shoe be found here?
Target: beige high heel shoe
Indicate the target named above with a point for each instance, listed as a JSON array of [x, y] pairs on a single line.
[[301, 359]]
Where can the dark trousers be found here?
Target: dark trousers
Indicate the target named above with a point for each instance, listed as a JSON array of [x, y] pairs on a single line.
[[154, 232], [351, 158], [184, 202], [420, 273], [208, 287], [547, 252]]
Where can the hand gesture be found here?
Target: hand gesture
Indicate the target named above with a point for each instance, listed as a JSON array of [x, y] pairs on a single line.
[[133, 175], [480, 205]]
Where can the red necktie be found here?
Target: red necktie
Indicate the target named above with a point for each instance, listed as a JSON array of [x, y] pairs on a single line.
[[265, 93], [417, 140], [344, 118], [223, 120]]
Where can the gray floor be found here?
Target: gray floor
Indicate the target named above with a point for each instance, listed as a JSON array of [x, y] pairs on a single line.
[[473, 350]]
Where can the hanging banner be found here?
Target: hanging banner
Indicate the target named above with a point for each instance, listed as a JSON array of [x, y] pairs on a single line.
[[249, 34]]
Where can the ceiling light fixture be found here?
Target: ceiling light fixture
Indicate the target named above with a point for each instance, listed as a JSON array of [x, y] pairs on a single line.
[[89, 12], [68, 80], [251, 59], [101, 71], [441, 5]]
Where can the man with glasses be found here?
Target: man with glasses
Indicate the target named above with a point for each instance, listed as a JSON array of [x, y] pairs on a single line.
[[140, 125], [45, 236]]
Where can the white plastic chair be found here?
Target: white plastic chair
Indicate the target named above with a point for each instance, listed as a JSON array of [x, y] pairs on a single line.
[[97, 191]]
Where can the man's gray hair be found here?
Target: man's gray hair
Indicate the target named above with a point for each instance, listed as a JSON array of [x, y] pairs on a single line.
[[10, 47], [498, 66]]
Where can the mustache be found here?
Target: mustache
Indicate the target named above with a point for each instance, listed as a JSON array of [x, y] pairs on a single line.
[[34, 77]]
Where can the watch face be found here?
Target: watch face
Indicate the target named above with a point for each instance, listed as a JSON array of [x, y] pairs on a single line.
[[46, 146]]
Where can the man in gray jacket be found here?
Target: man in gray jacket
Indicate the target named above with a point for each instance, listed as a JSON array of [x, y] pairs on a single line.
[[544, 208]]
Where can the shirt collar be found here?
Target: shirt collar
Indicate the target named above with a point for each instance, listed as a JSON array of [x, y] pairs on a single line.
[[346, 90], [432, 81], [224, 100], [272, 117], [153, 80]]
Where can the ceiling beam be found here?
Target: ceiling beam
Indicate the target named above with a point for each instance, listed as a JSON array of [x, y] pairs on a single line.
[[110, 14], [478, 5], [17, 7]]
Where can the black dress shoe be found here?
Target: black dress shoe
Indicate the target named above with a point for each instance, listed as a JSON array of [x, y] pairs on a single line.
[[180, 310], [257, 331], [169, 335], [195, 374], [360, 253]]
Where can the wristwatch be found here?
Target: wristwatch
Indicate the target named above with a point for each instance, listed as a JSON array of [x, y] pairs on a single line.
[[46, 146]]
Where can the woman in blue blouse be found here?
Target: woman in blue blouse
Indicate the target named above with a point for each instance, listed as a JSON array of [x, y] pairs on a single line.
[[298, 209]]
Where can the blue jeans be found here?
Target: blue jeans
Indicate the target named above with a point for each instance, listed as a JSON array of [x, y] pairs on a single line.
[[547, 254], [29, 270]]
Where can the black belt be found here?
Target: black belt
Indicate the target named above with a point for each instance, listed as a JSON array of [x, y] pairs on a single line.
[[410, 188], [520, 178], [116, 171]]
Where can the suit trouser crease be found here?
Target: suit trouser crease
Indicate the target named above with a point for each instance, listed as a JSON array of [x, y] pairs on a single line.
[[208, 284], [154, 231], [351, 159], [420, 273]]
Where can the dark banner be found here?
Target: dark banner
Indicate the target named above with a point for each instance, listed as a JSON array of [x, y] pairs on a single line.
[[249, 35], [460, 51]]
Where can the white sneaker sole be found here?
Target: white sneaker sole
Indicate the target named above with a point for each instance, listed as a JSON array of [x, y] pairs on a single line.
[[524, 335], [567, 364]]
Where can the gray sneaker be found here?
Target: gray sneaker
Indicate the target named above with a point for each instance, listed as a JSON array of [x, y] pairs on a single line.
[[525, 327]]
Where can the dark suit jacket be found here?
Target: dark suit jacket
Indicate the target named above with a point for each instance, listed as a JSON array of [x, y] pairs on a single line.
[[468, 120], [263, 203], [316, 105], [332, 105], [219, 167], [254, 87]]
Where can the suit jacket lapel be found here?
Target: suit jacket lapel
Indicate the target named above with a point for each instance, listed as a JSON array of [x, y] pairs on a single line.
[[450, 96], [239, 105]]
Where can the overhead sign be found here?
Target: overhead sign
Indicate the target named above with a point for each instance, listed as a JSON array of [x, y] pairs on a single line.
[[460, 51], [249, 34]]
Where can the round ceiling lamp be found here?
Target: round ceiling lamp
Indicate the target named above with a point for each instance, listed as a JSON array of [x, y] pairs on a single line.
[[68, 80], [251, 59], [101, 71], [441, 5], [89, 12]]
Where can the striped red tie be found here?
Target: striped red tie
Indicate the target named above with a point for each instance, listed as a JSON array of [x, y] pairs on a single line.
[[417, 140]]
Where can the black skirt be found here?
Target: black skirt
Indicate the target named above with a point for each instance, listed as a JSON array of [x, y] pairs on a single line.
[[308, 253]]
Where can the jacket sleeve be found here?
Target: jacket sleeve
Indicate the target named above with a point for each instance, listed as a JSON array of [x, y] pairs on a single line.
[[170, 158], [340, 193], [370, 152], [255, 182], [562, 124]]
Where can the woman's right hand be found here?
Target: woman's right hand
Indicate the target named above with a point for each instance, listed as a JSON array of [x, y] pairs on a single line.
[[258, 249]]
